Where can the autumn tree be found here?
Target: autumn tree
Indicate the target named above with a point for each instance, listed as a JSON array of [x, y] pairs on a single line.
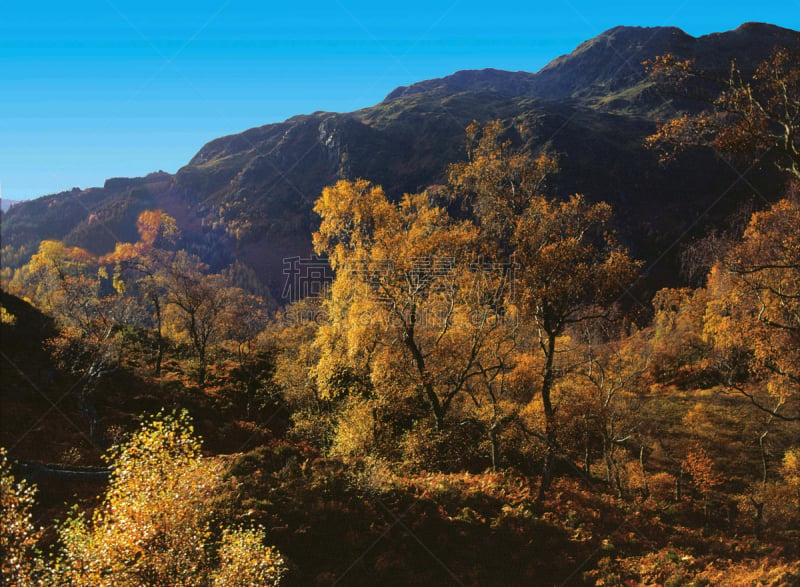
[[743, 115], [601, 395], [678, 345], [19, 560], [571, 269], [155, 525], [293, 334], [199, 305], [572, 272], [71, 284], [703, 473], [253, 356], [753, 313], [782, 494], [54, 275], [410, 310], [142, 267], [497, 183]]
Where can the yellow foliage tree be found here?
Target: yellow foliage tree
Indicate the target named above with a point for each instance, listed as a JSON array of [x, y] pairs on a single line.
[[753, 313], [415, 321], [294, 334], [155, 526], [72, 285], [404, 309], [143, 266], [497, 182], [678, 340], [19, 562]]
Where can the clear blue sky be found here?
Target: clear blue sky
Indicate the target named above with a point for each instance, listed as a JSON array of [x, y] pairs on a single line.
[[102, 88]]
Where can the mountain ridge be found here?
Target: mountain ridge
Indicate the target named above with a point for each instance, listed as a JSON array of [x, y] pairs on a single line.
[[599, 61]]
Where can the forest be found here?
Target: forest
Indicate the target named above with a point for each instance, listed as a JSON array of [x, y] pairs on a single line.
[[473, 390]]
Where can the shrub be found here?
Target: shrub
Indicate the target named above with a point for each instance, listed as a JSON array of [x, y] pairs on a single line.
[[18, 534], [156, 524]]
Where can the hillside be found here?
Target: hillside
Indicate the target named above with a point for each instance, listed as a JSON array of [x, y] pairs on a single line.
[[249, 196]]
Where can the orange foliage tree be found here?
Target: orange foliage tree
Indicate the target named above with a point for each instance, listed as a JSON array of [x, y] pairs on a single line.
[[745, 116], [571, 269]]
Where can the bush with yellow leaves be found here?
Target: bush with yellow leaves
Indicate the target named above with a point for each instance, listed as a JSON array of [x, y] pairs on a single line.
[[156, 526], [18, 534]]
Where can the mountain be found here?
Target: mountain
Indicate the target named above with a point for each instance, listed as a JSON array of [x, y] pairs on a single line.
[[6, 203], [249, 196]]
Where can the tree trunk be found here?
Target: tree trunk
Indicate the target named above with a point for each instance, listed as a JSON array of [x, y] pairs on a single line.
[[547, 474], [586, 451], [201, 374], [612, 473], [549, 416], [87, 409], [495, 447], [759, 505], [645, 486], [159, 339], [427, 386], [764, 468]]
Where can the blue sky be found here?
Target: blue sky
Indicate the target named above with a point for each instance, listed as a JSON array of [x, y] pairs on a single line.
[[103, 88]]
